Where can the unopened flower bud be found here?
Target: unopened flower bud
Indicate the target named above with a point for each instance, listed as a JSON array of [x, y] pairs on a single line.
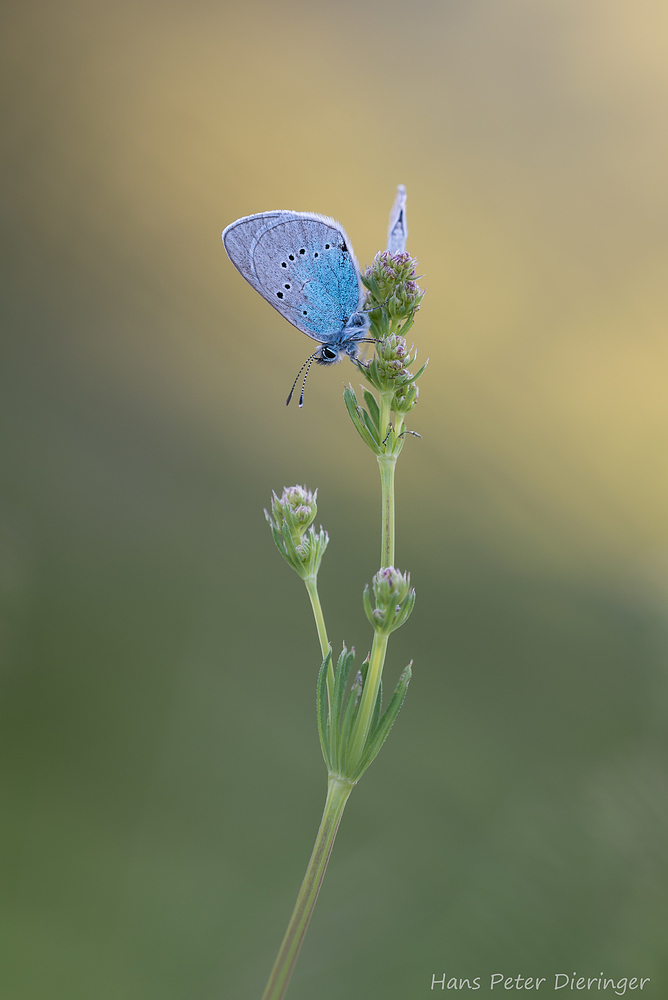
[[392, 287], [291, 519], [394, 598], [390, 586], [405, 396], [393, 357], [296, 507], [388, 371]]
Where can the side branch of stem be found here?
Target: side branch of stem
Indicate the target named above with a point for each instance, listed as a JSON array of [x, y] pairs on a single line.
[[312, 589]]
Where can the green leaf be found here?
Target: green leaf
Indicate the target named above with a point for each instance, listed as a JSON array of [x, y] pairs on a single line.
[[378, 736], [372, 405], [372, 429], [322, 710], [289, 549], [343, 666], [355, 414], [376, 708], [368, 610], [405, 327], [349, 717]]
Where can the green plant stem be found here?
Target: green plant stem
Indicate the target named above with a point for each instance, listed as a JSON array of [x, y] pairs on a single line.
[[338, 791], [312, 589], [387, 464], [385, 413], [369, 695]]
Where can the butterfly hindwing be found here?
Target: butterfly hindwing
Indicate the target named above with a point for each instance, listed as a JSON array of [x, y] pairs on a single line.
[[303, 265], [239, 238]]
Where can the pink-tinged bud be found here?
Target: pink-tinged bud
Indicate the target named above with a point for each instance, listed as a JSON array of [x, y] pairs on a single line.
[[394, 599], [297, 507], [291, 521], [391, 285], [390, 586]]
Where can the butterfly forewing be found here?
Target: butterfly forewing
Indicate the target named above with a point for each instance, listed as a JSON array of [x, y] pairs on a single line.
[[302, 265]]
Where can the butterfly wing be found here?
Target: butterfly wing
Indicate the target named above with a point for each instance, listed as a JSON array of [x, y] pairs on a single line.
[[303, 265]]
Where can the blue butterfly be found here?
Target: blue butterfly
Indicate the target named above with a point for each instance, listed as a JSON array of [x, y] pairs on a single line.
[[304, 266]]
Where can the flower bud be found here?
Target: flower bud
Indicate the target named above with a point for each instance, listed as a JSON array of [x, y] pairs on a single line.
[[291, 522], [392, 360], [394, 598], [405, 396], [388, 371], [390, 586], [296, 507], [392, 287]]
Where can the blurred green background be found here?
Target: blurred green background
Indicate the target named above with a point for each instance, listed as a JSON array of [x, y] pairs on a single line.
[[161, 776]]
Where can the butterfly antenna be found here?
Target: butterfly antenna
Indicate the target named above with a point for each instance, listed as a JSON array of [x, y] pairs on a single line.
[[308, 369], [308, 361]]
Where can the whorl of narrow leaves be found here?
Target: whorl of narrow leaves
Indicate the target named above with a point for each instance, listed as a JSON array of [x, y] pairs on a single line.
[[336, 721]]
